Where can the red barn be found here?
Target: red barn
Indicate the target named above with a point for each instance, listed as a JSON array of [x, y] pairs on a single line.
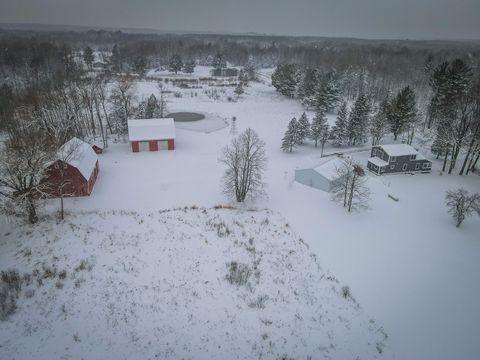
[[151, 134], [75, 171]]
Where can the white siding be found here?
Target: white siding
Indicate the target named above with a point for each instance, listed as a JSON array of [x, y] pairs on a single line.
[[162, 145], [143, 146]]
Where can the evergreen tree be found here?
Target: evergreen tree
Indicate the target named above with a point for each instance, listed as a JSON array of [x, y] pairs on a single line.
[[319, 130], [358, 120], [285, 79], [175, 63], [239, 89], [140, 65], [116, 59], [189, 66], [307, 86], [339, 131], [303, 128], [292, 136], [152, 109], [219, 61], [327, 94], [402, 111], [379, 122], [88, 57]]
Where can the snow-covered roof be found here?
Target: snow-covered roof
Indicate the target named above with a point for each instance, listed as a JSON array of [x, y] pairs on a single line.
[[329, 168], [80, 155], [399, 149], [377, 161], [151, 129]]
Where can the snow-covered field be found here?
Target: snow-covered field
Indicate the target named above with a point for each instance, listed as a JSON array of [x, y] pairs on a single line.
[[407, 265], [154, 285]]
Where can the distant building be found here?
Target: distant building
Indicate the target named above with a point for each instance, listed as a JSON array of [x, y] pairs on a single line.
[[97, 148], [224, 72], [151, 134], [75, 172], [397, 158], [320, 177]]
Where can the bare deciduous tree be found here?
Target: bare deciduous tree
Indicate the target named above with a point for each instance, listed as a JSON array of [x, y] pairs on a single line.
[[461, 204], [246, 161], [349, 186], [23, 162]]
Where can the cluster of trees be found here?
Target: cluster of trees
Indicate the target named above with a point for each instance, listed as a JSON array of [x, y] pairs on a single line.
[[176, 64], [300, 130], [315, 89], [461, 204], [454, 114]]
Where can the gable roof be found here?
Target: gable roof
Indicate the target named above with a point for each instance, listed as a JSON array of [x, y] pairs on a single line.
[[151, 129], [80, 155], [329, 168], [399, 149]]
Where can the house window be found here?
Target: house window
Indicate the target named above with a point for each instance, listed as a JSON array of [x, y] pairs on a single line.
[[426, 165], [382, 169], [417, 166], [393, 159], [404, 167], [413, 157], [392, 167], [374, 152]]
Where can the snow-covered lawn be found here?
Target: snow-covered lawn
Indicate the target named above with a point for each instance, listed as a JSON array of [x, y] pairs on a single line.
[[405, 262]]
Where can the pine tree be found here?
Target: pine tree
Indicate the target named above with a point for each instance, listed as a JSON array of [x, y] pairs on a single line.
[[140, 64], [339, 131], [303, 128], [239, 89], [307, 86], [319, 130], [379, 122], [88, 57], [402, 111], [358, 120], [327, 94], [189, 66], [175, 64], [152, 109], [116, 58], [219, 61], [285, 79], [292, 137]]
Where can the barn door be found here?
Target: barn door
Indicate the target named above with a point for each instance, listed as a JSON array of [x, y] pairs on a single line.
[[144, 146], [162, 145]]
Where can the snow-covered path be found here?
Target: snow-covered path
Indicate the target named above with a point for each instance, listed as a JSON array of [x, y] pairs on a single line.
[[406, 263]]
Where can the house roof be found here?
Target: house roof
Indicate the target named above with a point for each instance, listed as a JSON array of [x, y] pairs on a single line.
[[80, 155], [328, 169], [151, 129], [377, 161], [399, 149]]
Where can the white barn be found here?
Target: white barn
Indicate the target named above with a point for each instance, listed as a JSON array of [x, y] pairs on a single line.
[[151, 134], [321, 176]]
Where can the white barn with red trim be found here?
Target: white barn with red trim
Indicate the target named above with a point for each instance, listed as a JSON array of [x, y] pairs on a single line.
[[151, 134]]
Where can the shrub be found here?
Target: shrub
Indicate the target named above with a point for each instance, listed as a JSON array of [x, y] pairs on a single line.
[[238, 273], [10, 286]]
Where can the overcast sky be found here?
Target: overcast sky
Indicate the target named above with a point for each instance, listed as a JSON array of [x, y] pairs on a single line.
[[414, 19]]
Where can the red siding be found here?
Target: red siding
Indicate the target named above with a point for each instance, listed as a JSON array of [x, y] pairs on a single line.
[[135, 147], [74, 183], [171, 144], [153, 144]]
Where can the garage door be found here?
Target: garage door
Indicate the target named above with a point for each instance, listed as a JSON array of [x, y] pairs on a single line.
[[143, 146], [162, 145]]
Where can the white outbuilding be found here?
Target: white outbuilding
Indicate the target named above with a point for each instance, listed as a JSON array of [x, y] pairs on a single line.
[[321, 176]]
